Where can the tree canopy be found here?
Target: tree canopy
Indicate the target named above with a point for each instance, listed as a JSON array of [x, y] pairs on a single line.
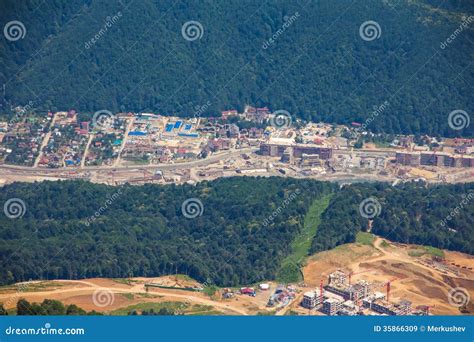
[[245, 229], [241, 233], [436, 215], [306, 57]]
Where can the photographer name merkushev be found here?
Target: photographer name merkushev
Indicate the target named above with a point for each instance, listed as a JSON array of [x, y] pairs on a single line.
[[421, 328]]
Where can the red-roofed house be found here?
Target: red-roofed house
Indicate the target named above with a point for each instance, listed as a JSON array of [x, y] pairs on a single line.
[[227, 113]]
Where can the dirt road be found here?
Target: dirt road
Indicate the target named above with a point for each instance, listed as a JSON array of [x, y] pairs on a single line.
[[90, 287]]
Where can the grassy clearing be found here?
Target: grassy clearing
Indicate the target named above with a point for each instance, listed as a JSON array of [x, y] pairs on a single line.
[[290, 271], [176, 307], [206, 313], [125, 281], [291, 313], [183, 277], [179, 288], [199, 310], [147, 295], [30, 287], [422, 250], [210, 290], [365, 238], [129, 296], [266, 313]]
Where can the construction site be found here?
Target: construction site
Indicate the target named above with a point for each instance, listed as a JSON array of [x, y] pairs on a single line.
[[341, 297], [383, 278]]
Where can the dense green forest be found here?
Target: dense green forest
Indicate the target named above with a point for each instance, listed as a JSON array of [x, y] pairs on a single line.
[[245, 230], [440, 216], [317, 67]]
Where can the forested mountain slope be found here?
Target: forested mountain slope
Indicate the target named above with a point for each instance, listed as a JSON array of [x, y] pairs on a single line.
[[244, 229], [317, 67], [241, 234], [440, 216]]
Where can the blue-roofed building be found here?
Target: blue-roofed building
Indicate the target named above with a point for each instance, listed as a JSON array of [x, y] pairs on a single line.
[[187, 127], [178, 124], [137, 133], [169, 127], [190, 135]]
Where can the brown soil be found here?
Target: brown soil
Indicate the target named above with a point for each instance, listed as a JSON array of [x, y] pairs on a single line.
[[408, 278]]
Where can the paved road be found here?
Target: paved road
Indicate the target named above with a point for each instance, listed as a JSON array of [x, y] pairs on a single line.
[[86, 150], [200, 162], [45, 141]]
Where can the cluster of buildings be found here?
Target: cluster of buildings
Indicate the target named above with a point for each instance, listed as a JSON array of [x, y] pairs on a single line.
[[105, 147], [20, 141], [66, 143], [340, 297], [218, 130], [434, 159], [66, 139], [258, 115], [292, 153], [152, 138]]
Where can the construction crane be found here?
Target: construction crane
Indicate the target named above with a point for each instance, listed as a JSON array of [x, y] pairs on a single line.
[[388, 290], [388, 285], [321, 292]]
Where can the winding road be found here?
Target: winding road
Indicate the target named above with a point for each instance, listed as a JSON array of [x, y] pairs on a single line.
[[90, 287]]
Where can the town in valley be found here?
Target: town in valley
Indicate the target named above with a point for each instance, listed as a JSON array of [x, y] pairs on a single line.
[[138, 148]]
